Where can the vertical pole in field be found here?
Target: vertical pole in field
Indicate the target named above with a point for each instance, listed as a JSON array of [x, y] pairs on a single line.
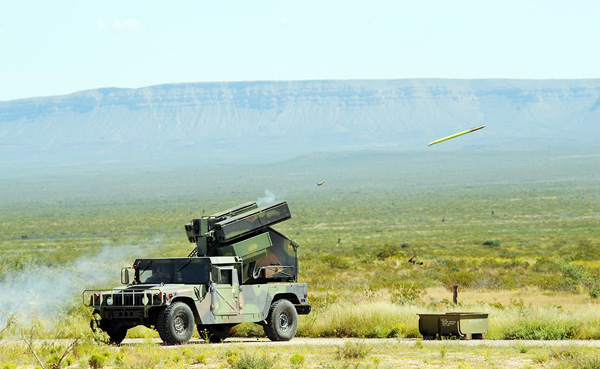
[[455, 294]]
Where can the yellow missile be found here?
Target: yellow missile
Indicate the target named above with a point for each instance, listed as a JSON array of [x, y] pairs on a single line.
[[456, 135]]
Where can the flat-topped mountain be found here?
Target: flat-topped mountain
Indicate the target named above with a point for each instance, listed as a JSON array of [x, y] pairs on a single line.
[[269, 121]]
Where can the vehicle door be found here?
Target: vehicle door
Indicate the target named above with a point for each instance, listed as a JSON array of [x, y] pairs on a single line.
[[225, 291]]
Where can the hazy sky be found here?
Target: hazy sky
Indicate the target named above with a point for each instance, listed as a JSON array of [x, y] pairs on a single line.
[[58, 47]]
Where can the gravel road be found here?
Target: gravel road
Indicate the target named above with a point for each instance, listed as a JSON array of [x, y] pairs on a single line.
[[410, 341]]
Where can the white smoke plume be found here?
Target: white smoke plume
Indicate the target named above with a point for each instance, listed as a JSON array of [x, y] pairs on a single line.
[[44, 291], [268, 199]]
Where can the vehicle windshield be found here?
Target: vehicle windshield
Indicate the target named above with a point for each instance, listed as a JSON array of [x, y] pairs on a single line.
[[189, 271]]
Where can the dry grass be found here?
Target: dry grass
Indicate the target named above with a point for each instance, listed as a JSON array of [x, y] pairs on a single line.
[[512, 314], [528, 296]]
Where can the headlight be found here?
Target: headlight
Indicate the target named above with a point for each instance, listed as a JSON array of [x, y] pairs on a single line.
[[109, 301]]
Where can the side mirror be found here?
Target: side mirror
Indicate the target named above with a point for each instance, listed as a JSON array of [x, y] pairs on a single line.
[[125, 275]]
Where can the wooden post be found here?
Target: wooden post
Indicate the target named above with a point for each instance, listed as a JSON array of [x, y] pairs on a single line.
[[455, 294]]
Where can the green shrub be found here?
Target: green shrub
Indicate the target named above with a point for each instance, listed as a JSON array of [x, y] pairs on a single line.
[[594, 291], [120, 360], [523, 349], [462, 278], [251, 361], [491, 243], [397, 331], [200, 359], [571, 357], [497, 304], [296, 360], [403, 294], [97, 361], [541, 330], [335, 262], [142, 360], [539, 359], [575, 276], [443, 352], [353, 350], [412, 331], [388, 251], [53, 360]]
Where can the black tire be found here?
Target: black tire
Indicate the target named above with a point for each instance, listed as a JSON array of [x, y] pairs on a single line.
[[96, 321], [214, 333], [117, 335], [282, 321], [175, 323]]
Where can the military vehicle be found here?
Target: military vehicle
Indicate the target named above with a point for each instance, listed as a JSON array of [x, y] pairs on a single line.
[[241, 270]]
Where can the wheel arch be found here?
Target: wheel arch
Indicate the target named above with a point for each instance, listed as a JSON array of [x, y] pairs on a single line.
[[291, 297], [189, 302]]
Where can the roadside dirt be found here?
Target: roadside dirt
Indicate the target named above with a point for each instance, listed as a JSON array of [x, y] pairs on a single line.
[[298, 341], [328, 352]]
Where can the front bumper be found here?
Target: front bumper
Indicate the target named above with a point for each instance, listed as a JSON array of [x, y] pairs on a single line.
[[123, 313]]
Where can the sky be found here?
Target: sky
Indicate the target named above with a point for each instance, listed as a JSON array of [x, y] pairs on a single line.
[[60, 47]]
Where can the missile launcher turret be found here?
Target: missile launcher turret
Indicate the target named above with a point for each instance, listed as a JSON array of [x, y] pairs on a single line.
[[245, 231]]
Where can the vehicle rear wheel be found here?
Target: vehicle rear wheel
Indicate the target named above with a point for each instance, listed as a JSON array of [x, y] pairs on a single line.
[[282, 321], [214, 333], [175, 323]]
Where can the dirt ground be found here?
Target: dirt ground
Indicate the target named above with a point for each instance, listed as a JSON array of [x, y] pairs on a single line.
[[328, 353]]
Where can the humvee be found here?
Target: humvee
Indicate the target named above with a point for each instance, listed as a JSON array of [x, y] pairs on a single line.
[[241, 270]]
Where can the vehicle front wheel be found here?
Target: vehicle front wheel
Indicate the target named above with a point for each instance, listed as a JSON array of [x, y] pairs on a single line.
[[175, 323], [117, 335], [96, 321], [282, 321]]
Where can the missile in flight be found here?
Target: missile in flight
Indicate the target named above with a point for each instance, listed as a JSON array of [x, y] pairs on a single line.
[[456, 135]]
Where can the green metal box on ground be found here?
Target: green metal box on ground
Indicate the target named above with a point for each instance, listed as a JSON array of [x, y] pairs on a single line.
[[459, 325]]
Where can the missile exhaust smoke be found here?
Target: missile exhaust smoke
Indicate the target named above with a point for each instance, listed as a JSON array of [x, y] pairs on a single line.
[[268, 199], [46, 290]]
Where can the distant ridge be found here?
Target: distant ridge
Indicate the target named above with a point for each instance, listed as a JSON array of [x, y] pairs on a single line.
[[270, 121]]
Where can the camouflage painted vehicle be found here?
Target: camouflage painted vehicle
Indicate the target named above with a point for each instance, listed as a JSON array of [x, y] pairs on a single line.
[[241, 270]]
